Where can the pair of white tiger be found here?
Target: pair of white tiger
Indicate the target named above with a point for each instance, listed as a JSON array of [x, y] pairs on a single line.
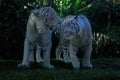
[[75, 33]]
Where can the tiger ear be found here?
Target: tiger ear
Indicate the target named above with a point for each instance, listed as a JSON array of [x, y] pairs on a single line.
[[76, 18], [36, 12]]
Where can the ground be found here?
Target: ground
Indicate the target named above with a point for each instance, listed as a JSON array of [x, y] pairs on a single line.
[[104, 69]]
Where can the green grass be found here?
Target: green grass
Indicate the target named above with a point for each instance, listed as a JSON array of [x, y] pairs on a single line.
[[104, 69]]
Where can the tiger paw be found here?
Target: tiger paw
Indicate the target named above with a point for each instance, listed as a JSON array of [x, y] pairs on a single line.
[[76, 67], [23, 66], [59, 59], [67, 60], [48, 66], [87, 65], [40, 60]]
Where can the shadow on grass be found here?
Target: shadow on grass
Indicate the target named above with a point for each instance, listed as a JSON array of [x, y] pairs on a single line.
[[100, 64], [104, 68]]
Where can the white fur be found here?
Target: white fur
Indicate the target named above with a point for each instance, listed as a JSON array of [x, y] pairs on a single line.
[[38, 55], [38, 33], [60, 48], [81, 39]]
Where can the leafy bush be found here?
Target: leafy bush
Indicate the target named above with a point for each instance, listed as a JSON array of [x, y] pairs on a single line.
[[104, 19]]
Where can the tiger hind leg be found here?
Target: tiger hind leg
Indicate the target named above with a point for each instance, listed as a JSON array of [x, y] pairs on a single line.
[[58, 53], [46, 56], [86, 59], [38, 54], [32, 59]]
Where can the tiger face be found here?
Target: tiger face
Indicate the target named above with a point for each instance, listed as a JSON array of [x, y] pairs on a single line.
[[69, 28], [48, 16]]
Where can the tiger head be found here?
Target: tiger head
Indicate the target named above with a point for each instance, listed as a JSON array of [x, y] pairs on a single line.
[[70, 27], [49, 17]]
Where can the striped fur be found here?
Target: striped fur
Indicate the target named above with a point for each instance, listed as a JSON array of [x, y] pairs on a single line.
[[63, 46], [40, 25], [77, 31]]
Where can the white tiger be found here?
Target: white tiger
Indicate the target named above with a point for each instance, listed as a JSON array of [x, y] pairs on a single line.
[[63, 44], [77, 31], [40, 25]]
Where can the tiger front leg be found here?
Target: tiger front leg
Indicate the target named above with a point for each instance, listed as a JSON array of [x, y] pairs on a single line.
[[87, 55], [73, 57], [66, 56], [32, 59], [46, 55], [28, 49], [58, 53]]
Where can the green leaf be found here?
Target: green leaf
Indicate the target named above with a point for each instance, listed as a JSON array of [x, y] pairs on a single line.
[[77, 4], [86, 7]]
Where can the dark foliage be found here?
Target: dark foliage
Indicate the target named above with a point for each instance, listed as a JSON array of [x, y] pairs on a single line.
[[103, 15]]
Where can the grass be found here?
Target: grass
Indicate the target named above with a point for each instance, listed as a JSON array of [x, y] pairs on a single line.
[[104, 69]]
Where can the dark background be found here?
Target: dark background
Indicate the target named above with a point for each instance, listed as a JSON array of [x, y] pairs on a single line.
[[103, 15]]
